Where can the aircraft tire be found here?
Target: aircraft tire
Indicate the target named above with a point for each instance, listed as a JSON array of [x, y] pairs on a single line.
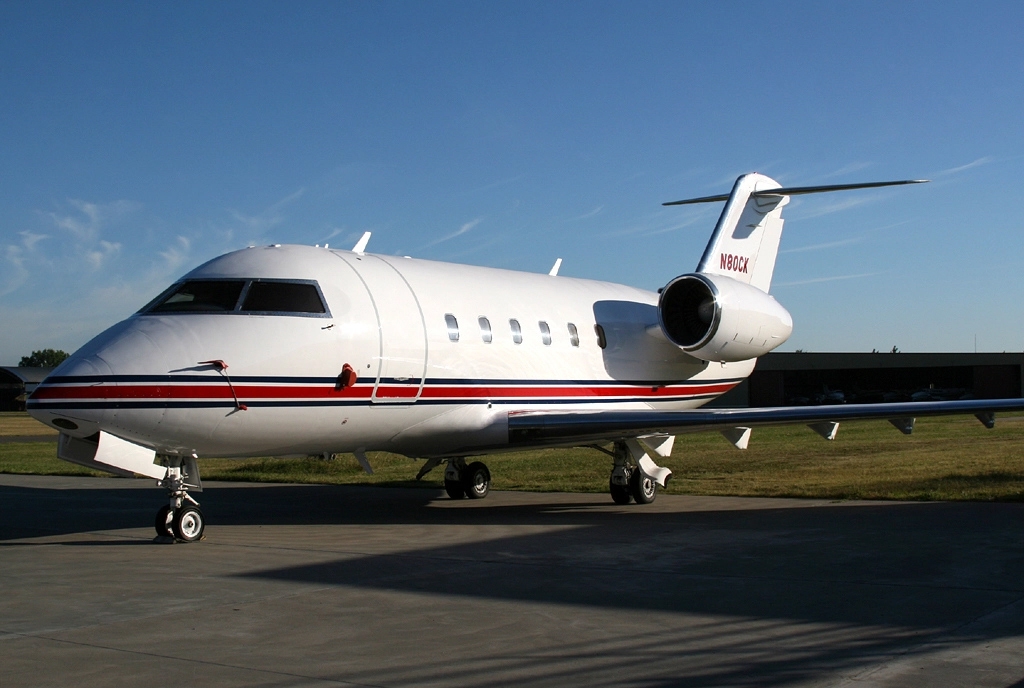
[[188, 524], [642, 487], [454, 489], [163, 521], [620, 493], [476, 480]]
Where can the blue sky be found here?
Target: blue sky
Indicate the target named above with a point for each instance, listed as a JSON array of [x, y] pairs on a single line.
[[141, 139]]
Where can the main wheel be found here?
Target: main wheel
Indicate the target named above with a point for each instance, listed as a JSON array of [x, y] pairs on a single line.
[[620, 493], [476, 480], [454, 489], [163, 522], [188, 524], [642, 487]]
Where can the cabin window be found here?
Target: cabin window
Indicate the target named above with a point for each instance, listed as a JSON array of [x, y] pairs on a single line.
[[545, 333], [485, 329], [517, 331], [200, 296], [574, 336], [602, 341], [283, 297], [453, 327]]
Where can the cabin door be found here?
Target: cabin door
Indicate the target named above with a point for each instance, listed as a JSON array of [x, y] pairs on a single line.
[[402, 363]]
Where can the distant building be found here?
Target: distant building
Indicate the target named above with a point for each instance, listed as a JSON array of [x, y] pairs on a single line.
[[16, 383], [795, 379]]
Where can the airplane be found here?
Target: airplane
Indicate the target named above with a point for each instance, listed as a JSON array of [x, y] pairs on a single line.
[[289, 350]]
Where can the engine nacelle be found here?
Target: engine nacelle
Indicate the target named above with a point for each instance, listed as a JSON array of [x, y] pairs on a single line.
[[716, 318]]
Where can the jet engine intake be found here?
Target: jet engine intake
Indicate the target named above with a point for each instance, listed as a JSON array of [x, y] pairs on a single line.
[[716, 318]]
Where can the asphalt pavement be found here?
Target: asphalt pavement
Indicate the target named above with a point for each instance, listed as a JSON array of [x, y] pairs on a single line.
[[370, 586]]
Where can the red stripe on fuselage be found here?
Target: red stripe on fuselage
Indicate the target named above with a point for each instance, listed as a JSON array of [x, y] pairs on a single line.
[[243, 391]]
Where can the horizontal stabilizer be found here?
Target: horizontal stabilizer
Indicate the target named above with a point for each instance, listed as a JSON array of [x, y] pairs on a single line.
[[800, 190]]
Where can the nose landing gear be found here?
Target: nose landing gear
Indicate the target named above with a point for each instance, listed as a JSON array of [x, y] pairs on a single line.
[[181, 518]]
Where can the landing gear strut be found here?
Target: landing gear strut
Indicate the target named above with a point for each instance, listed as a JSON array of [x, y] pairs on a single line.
[[460, 480], [181, 518]]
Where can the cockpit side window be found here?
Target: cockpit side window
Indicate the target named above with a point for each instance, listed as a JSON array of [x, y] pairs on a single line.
[[274, 297], [201, 296], [283, 297]]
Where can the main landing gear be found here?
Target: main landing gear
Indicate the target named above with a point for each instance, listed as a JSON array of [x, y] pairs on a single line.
[[181, 518], [461, 480], [635, 477]]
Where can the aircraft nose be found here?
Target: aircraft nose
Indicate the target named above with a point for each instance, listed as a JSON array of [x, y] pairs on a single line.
[[116, 382], [68, 398]]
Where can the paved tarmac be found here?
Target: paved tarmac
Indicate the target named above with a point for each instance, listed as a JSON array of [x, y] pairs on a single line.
[[358, 586]]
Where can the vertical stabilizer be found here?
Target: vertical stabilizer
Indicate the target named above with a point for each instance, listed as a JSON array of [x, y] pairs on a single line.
[[746, 239]]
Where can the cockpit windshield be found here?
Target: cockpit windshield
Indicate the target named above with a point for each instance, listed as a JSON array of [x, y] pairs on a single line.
[[201, 296], [256, 296], [283, 297]]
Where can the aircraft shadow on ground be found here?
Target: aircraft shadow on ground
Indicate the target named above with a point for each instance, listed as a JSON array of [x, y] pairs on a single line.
[[889, 560], [816, 577]]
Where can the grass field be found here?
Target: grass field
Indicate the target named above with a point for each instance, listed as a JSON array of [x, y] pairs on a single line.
[[953, 458]]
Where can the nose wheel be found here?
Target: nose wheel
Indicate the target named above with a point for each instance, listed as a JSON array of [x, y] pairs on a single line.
[[185, 523], [181, 518]]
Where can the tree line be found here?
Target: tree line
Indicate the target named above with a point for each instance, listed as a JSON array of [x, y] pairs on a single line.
[[44, 358]]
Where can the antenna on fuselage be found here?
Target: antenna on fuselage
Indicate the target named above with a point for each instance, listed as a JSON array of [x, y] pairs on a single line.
[[360, 246], [554, 268]]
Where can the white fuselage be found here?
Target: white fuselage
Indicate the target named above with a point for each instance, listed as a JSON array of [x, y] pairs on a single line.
[[418, 390]]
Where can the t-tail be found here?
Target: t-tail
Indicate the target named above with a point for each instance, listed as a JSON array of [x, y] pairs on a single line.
[[722, 312]]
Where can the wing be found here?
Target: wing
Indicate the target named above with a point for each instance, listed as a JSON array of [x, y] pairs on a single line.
[[527, 428]]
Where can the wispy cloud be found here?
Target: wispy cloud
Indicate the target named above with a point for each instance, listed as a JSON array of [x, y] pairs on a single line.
[[85, 225], [496, 184], [819, 209], [15, 274], [105, 250], [459, 232], [593, 213], [475, 249], [819, 280], [270, 217], [962, 168], [15, 256], [847, 169], [821, 247], [650, 228], [30, 239], [175, 255]]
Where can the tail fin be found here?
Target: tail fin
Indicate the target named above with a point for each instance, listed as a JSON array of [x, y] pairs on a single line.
[[745, 242], [746, 239]]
